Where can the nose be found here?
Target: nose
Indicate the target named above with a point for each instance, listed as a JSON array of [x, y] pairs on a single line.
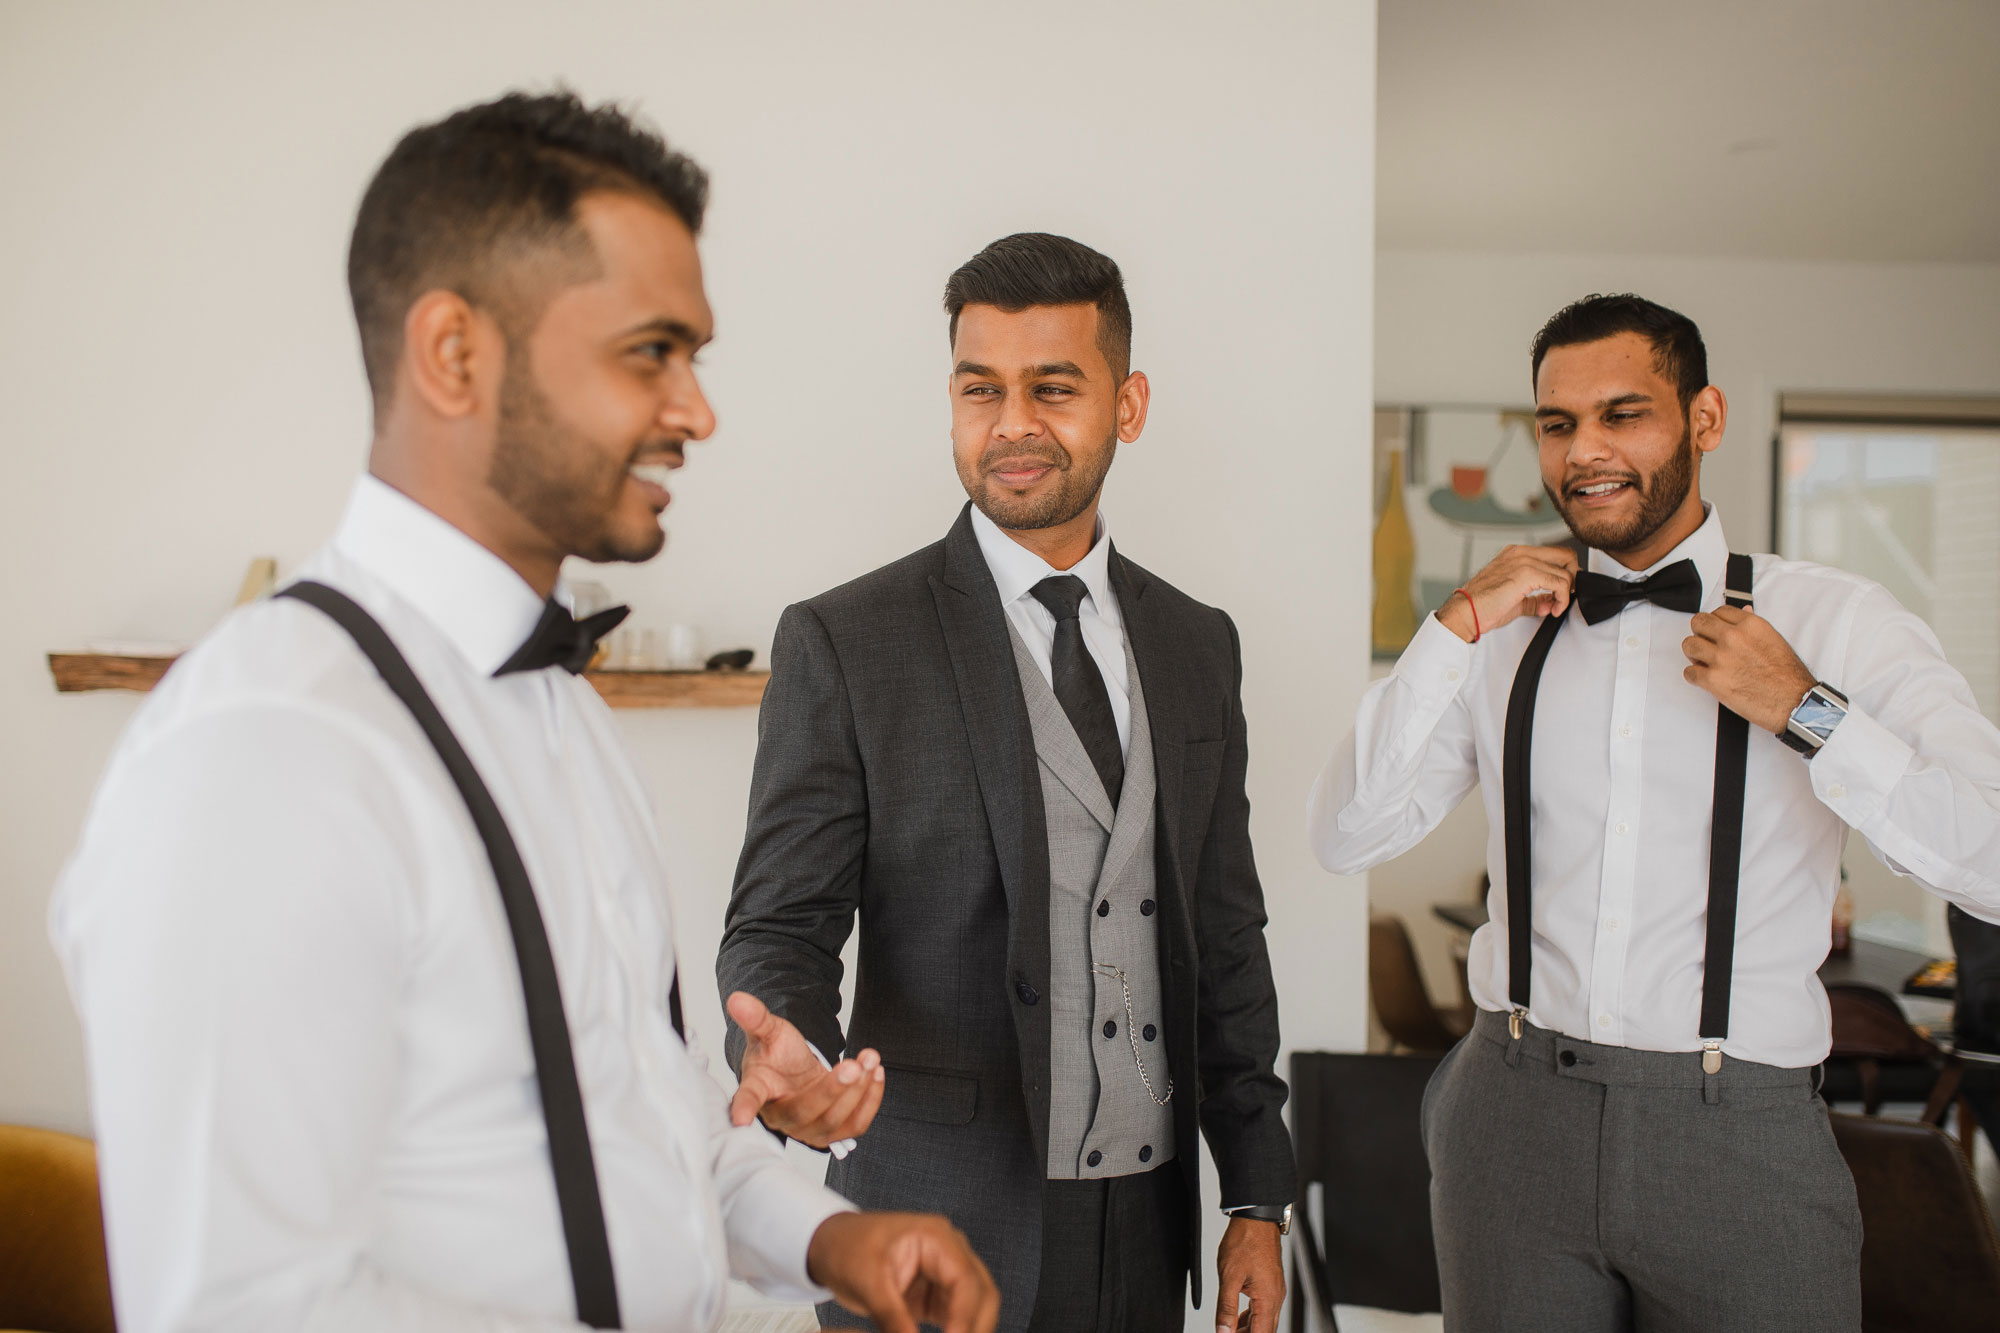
[[1589, 445], [1018, 418], [686, 411]]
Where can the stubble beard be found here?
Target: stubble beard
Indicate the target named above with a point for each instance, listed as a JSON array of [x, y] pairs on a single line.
[[557, 480], [1074, 492], [1660, 498]]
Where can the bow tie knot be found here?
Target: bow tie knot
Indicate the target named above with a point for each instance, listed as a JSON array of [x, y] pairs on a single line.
[[1676, 588], [560, 639]]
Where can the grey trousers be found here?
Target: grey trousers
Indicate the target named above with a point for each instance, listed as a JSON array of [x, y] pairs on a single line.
[[1600, 1189]]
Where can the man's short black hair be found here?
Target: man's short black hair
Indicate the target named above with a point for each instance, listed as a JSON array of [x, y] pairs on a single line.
[[1678, 353], [456, 200], [1033, 268]]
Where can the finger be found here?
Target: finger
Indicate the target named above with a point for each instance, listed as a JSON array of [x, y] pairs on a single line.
[[1708, 627], [1230, 1282], [757, 1021], [827, 1120], [951, 1264], [745, 1105], [1733, 615], [1698, 650], [1697, 676], [1263, 1314], [864, 1115]]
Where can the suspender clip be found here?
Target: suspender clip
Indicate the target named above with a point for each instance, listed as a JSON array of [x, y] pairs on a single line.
[[1514, 1021], [1711, 1056]]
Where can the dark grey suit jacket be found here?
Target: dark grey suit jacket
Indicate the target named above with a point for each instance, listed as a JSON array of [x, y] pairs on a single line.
[[896, 776]]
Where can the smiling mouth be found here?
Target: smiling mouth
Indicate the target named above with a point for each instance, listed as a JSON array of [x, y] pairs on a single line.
[[1599, 490]]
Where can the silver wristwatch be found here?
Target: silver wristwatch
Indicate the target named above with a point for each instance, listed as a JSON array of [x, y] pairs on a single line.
[[1812, 722]]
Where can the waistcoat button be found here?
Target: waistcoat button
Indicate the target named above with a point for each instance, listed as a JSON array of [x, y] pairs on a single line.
[[1146, 1153], [1027, 993], [1104, 907], [1146, 908], [1110, 1028], [1149, 1032], [1096, 1158]]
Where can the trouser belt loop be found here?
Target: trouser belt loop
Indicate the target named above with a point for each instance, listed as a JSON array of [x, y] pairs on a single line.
[[1711, 1072], [1517, 1023]]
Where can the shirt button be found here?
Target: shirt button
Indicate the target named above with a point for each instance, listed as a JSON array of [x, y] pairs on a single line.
[[1624, 731], [1096, 1158], [1110, 1028], [1623, 828], [1612, 924], [1604, 1020], [1149, 1032], [1451, 674], [1631, 641], [1146, 1153], [1836, 791], [1146, 908], [1104, 907]]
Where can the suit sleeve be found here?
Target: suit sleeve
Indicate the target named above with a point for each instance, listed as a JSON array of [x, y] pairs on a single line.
[[1243, 1098], [798, 882]]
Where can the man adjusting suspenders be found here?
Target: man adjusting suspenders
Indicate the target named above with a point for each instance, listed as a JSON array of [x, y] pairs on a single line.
[[1631, 1136]]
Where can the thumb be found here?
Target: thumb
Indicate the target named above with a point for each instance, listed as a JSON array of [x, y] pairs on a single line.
[[751, 1014], [748, 1101]]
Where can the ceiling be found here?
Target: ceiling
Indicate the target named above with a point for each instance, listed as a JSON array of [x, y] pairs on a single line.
[[1797, 129]]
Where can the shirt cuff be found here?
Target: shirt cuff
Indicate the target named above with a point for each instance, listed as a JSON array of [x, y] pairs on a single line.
[[1437, 661], [803, 1207], [839, 1147], [1857, 769]]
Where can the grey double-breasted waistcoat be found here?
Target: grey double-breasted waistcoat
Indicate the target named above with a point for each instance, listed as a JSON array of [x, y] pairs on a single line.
[[1103, 939]]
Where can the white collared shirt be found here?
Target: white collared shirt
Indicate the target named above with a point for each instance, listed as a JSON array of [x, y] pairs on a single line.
[[311, 1079], [1623, 780], [1017, 570]]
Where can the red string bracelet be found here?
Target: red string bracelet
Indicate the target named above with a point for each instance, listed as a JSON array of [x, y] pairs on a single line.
[[1460, 592]]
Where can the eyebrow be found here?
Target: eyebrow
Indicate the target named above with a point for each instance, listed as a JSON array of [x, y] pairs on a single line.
[[673, 329], [1043, 371], [1622, 400]]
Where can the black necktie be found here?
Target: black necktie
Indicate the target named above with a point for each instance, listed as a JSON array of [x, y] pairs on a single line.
[[560, 639], [1677, 588], [1079, 685]]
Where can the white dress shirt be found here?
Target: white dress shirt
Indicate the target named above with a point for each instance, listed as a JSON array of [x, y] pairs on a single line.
[[1623, 780], [311, 1077], [1017, 570]]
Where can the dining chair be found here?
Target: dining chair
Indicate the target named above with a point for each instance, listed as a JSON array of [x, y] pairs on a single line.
[[54, 1277], [1402, 1002]]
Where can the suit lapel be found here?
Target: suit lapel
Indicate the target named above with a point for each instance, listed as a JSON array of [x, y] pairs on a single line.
[[1003, 757], [1153, 655]]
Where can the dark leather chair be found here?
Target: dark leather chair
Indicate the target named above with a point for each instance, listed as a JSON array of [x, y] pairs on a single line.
[[53, 1274], [1929, 1258], [1355, 1132], [1877, 1056], [1402, 1003]]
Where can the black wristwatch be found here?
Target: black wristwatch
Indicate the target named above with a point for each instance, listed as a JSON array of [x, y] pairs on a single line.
[[1268, 1212], [1812, 722]]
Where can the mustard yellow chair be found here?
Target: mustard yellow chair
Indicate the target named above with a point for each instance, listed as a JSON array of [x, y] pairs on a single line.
[[53, 1273]]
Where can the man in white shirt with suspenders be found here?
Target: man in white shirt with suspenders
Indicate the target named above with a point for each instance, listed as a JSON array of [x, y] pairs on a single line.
[[1672, 743], [367, 819]]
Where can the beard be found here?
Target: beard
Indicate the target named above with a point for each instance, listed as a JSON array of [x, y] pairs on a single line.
[[1075, 488], [1660, 497], [557, 479]]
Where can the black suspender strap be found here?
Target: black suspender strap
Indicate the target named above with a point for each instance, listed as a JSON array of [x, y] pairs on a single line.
[[548, 1029], [1725, 851], [1732, 748], [1518, 739]]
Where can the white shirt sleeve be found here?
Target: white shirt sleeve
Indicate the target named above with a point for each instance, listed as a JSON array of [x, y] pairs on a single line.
[[1914, 767], [1408, 762], [234, 937]]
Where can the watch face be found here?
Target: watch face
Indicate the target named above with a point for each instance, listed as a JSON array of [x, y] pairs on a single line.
[[1818, 716]]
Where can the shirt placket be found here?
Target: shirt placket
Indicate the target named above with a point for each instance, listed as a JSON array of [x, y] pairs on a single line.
[[1619, 876]]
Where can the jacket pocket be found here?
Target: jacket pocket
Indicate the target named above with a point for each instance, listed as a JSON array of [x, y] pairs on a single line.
[[928, 1095]]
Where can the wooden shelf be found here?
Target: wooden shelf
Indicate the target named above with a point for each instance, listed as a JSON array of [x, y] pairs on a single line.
[[78, 672]]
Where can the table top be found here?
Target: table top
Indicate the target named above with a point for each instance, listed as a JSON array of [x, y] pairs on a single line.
[[1881, 965]]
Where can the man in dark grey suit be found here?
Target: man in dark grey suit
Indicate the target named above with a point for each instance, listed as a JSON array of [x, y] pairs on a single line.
[[1020, 757]]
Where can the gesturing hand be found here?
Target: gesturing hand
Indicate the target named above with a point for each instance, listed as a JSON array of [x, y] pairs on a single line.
[[1520, 581], [902, 1268], [784, 1082], [1737, 656], [1249, 1262]]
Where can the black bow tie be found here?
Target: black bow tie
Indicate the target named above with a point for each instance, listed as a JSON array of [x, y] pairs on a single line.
[[560, 639], [1677, 588]]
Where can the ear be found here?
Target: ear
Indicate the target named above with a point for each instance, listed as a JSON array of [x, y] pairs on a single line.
[[1707, 415], [1135, 395], [453, 355]]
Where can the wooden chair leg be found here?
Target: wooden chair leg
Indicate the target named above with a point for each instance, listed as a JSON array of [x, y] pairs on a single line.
[[1943, 1092], [1968, 1129]]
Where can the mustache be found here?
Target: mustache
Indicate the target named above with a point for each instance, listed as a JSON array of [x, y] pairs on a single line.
[[1053, 454]]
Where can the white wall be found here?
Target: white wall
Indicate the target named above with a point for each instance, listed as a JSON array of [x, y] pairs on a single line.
[[1455, 328], [182, 390]]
